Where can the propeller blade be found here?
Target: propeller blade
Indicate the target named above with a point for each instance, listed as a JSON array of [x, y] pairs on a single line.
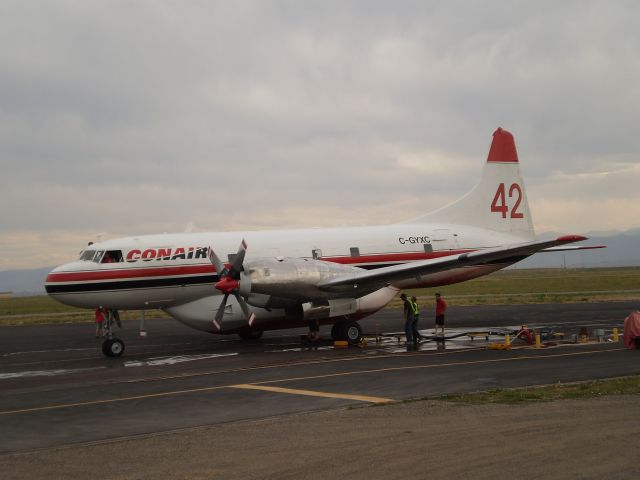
[[229, 283], [248, 314], [221, 270], [217, 321], [239, 258]]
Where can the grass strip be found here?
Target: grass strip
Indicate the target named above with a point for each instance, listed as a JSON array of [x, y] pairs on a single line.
[[83, 316], [536, 286], [549, 393]]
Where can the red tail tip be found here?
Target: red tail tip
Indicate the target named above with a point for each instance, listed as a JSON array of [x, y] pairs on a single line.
[[503, 147]]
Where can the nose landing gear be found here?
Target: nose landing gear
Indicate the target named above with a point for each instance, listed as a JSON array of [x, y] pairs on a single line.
[[112, 346]]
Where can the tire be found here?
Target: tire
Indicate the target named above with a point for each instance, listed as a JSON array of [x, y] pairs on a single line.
[[113, 347], [250, 334], [353, 333]]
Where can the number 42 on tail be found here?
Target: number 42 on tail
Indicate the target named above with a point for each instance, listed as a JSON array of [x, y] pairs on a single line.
[[499, 203]]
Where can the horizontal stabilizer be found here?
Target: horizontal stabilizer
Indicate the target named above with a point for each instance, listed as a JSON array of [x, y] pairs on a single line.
[[571, 248]]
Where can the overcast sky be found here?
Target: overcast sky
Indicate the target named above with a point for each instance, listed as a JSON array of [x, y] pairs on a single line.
[[133, 117]]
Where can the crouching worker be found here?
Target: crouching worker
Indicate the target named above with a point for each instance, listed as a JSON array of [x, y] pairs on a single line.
[[525, 335], [314, 333]]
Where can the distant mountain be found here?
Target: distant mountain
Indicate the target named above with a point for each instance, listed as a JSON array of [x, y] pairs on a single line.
[[23, 282], [623, 250]]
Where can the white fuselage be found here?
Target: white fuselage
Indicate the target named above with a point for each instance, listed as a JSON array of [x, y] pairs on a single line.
[[172, 272]]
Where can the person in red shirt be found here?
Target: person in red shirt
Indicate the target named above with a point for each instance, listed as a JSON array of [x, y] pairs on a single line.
[[441, 307], [99, 322]]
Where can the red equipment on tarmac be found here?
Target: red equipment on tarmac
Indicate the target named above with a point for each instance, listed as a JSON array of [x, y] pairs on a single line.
[[632, 330]]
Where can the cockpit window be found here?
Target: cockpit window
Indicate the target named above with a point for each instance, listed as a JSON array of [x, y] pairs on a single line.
[[112, 256], [101, 256]]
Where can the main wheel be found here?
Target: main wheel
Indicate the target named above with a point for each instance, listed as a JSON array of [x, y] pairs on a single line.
[[353, 333], [250, 334], [113, 347]]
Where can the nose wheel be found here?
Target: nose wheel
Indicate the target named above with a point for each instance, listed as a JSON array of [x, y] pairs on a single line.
[[113, 347]]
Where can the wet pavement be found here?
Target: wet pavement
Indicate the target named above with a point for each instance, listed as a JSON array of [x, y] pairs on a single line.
[[57, 388]]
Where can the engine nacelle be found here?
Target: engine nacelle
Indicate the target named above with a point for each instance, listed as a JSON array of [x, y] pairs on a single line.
[[294, 279]]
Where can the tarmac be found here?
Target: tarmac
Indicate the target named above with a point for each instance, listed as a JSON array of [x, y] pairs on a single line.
[[58, 390]]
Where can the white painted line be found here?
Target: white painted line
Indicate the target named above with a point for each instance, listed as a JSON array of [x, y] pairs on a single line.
[[152, 362], [44, 373]]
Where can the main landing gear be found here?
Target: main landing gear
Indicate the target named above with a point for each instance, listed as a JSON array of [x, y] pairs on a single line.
[[112, 346], [347, 330]]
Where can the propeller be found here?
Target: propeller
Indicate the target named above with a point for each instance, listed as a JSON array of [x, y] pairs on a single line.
[[229, 283]]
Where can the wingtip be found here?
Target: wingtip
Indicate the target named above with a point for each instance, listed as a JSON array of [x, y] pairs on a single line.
[[571, 238]]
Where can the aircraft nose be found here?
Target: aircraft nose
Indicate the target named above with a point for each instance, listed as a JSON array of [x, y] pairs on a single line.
[[64, 284], [53, 276], [59, 280]]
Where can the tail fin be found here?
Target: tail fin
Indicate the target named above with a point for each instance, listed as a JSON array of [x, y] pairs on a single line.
[[499, 201]]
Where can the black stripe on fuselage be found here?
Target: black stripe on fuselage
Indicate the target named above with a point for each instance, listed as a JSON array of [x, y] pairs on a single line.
[[131, 284]]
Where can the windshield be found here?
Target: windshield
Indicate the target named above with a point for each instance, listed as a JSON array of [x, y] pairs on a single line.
[[87, 255], [91, 255]]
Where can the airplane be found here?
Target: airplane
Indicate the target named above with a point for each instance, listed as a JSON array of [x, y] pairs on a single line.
[[284, 278]]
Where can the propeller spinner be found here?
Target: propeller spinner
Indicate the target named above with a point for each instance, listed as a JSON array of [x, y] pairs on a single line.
[[229, 283]]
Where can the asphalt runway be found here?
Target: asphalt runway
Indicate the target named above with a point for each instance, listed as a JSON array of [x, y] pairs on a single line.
[[58, 389]]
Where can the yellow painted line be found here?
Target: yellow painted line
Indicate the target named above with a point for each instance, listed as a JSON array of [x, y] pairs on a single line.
[[313, 393], [339, 374]]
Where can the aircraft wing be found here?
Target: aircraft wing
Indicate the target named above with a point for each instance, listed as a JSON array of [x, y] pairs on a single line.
[[378, 278]]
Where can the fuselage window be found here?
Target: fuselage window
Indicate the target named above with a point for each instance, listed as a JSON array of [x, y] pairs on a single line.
[[428, 248], [316, 253], [355, 251], [112, 256]]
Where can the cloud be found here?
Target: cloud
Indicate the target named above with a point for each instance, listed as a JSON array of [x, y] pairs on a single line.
[[140, 117]]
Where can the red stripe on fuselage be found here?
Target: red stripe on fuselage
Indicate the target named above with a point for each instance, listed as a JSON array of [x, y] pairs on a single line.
[[393, 257], [120, 273], [170, 271]]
